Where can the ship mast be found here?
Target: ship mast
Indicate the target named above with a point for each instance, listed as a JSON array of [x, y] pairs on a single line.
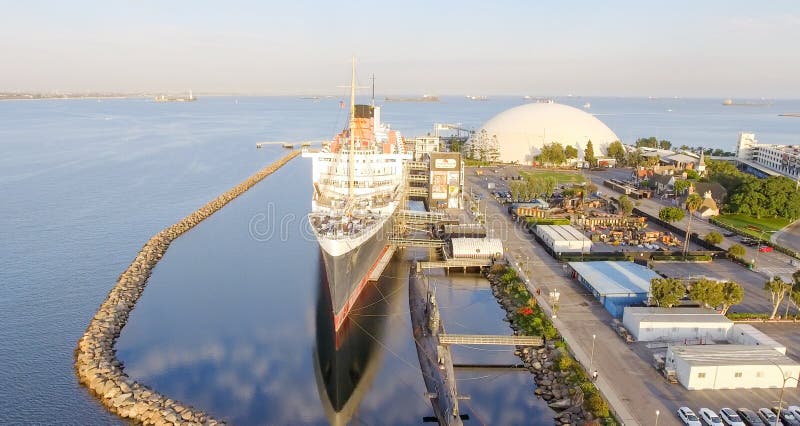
[[351, 157]]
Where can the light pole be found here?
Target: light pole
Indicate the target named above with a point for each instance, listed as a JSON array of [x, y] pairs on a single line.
[[591, 358], [657, 413], [783, 386]]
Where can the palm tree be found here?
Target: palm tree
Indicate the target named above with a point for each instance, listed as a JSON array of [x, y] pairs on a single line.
[[693, 202]]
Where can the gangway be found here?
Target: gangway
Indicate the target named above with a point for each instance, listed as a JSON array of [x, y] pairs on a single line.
[[418, 192], [455, 263], [412, 216], [415, 242], [489, 339]]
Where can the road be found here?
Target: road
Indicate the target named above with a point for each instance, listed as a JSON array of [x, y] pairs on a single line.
[[789, 236]]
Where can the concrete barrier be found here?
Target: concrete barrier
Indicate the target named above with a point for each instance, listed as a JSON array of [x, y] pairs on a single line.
[[95, 357]]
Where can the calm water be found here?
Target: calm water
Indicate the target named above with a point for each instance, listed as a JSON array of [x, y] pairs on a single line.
[[230, 320]]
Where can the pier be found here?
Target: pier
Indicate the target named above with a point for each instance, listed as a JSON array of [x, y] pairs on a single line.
[[287, 145], [96, 363]]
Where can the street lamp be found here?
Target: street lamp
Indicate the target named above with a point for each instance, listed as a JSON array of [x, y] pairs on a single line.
[[657, 413], [783, 386], [591, 359]]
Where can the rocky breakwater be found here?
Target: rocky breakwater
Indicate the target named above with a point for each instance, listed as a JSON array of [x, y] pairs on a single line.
[[95, 357], [559, 379]]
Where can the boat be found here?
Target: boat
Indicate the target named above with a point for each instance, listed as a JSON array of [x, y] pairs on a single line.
[[166, 98], [358, 183], [424, 98], [435, 360], [477, 98], [587, 105]]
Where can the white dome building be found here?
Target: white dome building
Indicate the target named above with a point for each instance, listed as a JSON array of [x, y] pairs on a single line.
[[520, 132]]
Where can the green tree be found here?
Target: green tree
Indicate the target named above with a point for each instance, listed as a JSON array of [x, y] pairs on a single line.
[[588, 154], [671, 214], [552, 153], [693, 202], [776, 290], [617, 151], [713, 237], [570, 152], [667, 292], [634, 158], [736, 250], [625, 205], [732, 294], [663, 144], [692, 174], [681, 186], [650, 142], [708, 292]]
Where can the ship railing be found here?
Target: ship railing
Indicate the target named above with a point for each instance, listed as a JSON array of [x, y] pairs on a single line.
[[337, 231]]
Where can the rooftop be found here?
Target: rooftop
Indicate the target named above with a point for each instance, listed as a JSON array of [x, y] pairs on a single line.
[[609, 278], [730, 355], [676, 315], [562, 232]]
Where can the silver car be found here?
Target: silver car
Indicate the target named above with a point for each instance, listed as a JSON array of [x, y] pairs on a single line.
[[730, 418]]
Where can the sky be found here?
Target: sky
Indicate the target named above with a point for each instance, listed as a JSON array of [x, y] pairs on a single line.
[[728, 49]]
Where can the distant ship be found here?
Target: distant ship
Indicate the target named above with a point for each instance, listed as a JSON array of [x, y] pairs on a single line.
[[587, 105], [731, 102], [538, 100], [424, 98], [166, 98], [358, 183], [477, 98]]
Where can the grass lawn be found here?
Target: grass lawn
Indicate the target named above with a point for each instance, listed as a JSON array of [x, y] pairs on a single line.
[[744, 223], [561, 176]]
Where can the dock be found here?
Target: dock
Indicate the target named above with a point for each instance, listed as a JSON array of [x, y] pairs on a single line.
[[287, 145]]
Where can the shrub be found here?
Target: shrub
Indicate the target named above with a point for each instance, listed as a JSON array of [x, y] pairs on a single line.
[[713, 237], [736, 250]]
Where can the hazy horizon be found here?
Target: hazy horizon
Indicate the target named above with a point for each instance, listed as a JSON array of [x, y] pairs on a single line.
[[714, 49]]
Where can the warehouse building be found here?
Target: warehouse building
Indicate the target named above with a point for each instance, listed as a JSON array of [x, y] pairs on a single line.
[[730, 366], [746, 334], [563, 239], [615, 284], [648, 324], [477, 248]]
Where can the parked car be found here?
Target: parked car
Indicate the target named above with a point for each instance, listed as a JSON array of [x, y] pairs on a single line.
[[765, 249], [769, 418], [794, 409], [688, 417], [788, 418], [710, 417], [729, 234], [749, 417], [730, 418]]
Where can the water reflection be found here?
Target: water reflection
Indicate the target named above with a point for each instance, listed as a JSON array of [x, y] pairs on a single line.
[[346, 362]]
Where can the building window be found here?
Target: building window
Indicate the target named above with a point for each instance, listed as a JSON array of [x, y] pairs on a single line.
[[701, 375], [760, 374], [737, 374]]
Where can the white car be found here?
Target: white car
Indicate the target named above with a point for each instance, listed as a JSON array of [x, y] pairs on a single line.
[[688, 417], [711, 418], [769, 418], [730, 418]]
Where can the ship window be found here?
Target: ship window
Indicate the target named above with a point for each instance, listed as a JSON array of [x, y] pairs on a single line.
[[737, 374], [701, 375]]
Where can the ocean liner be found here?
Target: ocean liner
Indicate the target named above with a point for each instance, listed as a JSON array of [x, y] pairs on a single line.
[[358, 180]]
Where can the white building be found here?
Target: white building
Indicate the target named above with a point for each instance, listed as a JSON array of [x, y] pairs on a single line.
[[746, 334], [649, 324], [564, 239], [730, 367], [477, 248], [425, 145], [783, 159]]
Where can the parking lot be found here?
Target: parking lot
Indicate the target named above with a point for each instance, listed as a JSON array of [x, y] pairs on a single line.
[[755, 298]]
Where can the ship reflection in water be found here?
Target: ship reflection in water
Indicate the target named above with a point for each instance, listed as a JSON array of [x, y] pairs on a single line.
[[346, 362]]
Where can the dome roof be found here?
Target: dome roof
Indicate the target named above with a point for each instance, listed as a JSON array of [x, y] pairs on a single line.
[[521, 131]]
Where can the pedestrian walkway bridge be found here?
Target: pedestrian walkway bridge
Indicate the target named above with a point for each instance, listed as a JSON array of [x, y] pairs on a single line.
[[413, 216], [455, 263], [487, 339], [415, 242]]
